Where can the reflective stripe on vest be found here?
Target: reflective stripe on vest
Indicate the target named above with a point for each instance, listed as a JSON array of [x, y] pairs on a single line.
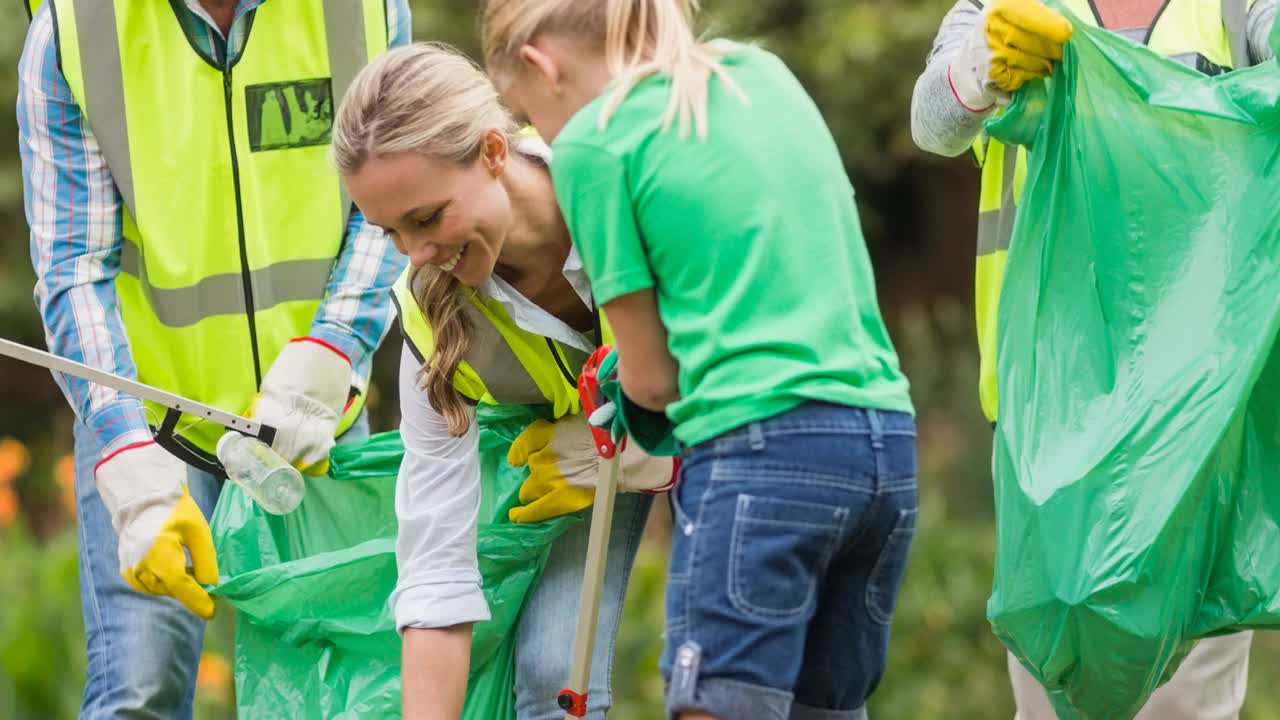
[[233, 216], [996, 211], [504, 364], [1190, 31], [177, 307]]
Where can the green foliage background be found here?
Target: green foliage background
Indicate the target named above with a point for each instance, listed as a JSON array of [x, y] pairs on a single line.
[[859, 59]]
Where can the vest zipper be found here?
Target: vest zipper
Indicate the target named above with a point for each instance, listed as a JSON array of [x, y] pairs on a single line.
[[564, 369], [245, 277]]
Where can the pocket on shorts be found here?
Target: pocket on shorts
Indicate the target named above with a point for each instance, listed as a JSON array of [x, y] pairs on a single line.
[[891, 565], [779, 549]]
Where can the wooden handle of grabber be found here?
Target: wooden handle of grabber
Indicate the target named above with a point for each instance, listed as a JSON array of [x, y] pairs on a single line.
[[573, 699]]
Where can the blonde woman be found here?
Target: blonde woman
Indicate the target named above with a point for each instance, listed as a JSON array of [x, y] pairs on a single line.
[[495, 309], [733, 269]]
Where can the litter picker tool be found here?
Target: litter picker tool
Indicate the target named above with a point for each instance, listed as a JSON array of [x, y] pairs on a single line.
[[573, 698], [176, 406]]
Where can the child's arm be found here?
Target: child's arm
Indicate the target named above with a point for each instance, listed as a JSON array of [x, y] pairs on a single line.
[[595, 197], [646, 368], [436, 662]]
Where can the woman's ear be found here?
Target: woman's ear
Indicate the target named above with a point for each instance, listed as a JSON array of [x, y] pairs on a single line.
[[494, 150], [542, 66]]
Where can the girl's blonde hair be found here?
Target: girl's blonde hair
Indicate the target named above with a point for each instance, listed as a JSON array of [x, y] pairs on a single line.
[[429, 99], [638, 38]]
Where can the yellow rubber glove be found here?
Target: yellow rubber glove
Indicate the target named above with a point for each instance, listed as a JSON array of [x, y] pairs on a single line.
[[1014, 41], [158, 524], [1025, 38], [164, 571], [562, 464], [564, 468]]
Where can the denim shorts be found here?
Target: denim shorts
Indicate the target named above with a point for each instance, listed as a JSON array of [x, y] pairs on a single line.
[[790, 541]]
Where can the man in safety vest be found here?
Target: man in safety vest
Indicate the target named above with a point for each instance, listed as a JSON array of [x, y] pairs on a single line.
[[187, 230], [980, 56]]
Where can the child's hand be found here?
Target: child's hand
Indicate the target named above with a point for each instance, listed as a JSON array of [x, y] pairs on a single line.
[[621, 417], [606, 416]]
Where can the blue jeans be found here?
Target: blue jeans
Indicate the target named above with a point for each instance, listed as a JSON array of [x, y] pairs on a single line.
[[544, 644], [790, 540], [143, 650]]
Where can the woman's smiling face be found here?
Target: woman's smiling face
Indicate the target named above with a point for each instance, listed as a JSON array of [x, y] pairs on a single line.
[[454, 217]]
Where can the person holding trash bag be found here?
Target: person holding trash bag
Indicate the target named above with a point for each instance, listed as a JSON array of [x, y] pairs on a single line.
[[495, 309], [980, 56], [733, 268], [187, 232]]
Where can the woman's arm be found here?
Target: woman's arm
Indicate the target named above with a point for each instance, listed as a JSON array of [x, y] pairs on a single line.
[[438, 594], [645, 366], [436, 662]]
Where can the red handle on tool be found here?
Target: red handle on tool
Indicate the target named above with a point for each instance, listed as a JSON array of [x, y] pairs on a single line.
[[572, 703], [592, 398]]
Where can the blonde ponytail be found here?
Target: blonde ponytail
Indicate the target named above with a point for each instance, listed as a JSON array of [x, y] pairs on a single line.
[[440, 296], [637, 37], [426, 98]]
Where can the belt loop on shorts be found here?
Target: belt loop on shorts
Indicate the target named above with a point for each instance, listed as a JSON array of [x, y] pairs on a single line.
[[877, 428], [683, 689], [755, 435]]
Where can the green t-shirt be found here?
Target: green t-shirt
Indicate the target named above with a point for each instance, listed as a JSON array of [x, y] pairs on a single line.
[[750, 238]]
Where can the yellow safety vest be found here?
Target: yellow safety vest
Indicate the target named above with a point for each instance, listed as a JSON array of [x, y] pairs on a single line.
[[505, 364], [1191, 31], [233, 215]]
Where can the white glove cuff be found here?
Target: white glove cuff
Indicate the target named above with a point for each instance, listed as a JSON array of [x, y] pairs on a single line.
[[970, 72], [313, 369], [137, 477], [642, 472]]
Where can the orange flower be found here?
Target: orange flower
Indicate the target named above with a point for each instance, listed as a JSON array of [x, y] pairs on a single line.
[[8, 506], [14, 460], [64, 473], [68, 499], [214, 675]]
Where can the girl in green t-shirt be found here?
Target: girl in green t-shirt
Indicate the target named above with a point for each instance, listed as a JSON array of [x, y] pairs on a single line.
[[707, 198]]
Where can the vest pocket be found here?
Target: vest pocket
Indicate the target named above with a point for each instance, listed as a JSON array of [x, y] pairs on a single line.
[[297, 113]]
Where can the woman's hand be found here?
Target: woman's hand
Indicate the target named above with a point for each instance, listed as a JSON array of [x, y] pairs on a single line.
[[563, 465], [435, 666]]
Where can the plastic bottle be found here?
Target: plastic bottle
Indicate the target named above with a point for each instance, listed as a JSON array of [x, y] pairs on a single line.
[[274, 484]]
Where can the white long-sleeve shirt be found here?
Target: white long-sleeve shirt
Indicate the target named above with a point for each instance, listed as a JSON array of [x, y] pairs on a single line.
[[438, 488]]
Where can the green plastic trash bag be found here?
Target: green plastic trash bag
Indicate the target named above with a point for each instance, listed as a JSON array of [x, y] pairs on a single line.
[[314, 632], [1137, 458]]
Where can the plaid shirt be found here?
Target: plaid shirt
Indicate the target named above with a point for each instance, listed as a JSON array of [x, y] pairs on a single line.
[[74, 211]]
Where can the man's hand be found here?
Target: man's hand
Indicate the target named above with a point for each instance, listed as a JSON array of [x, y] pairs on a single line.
[[144, 489], [1016, 42], [304, 395]]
